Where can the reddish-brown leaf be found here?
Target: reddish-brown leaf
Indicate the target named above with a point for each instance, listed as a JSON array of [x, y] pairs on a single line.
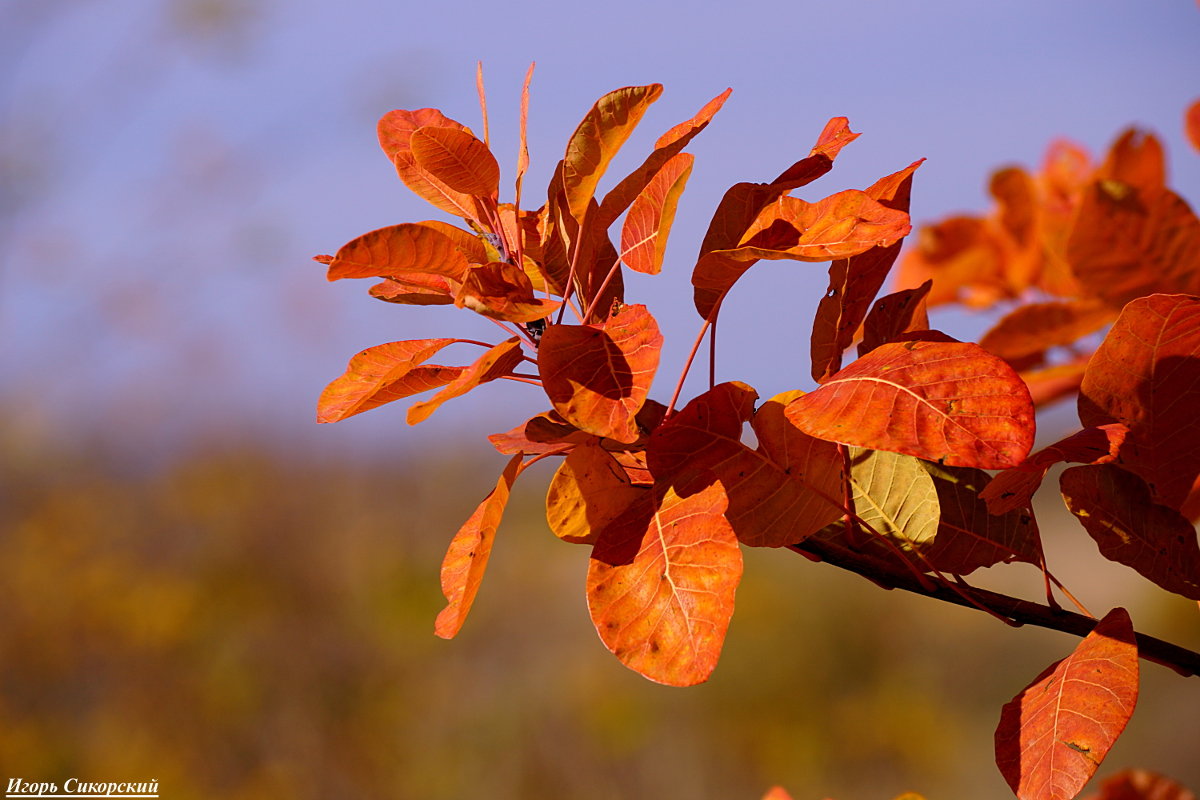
[[382, 374], [890, 318], [951, 402], [457, 159], [421, 248], [1138, 784], [854, 282], [661, 584], [417, 289], [1192, 124], [1116, 509], [599, 136], [667, 146], [1054, 734], [467, 558], [1136, 158], [1128, 243], [497, 362], [1014, 488], [395, 136], [780, 493], [598, 376], [648, 223], [502, 291], [1146, 375], [589, 490], [1033, 328]]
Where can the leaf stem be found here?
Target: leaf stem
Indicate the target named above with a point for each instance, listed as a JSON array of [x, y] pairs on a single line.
[[688, 365]]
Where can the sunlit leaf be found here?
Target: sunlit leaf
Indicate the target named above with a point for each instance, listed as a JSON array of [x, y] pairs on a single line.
[[397, 250], [599, 136], [1136, 158], [648, 224], [1138, 784], [1146, 375], [457, 159], [661, 584], [1192, 124], [951, 402], [890, 318], [417, 289], [395, 136], [523, 138], [502, 291], [589, 490], [598, 376], [1116, 509], [1033, 328], [467, 558], [497, 362], [382, 374], [1054, 734]]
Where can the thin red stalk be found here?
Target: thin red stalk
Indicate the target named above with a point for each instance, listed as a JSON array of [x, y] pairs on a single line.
[[712, 356], [482, 101], [687, 366], [604, 285], [519, 378], [518, 332]]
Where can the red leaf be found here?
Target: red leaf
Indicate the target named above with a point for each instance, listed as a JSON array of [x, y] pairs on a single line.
[[598, 376], [1136, 158], [1054, 734], [890, 318], [1146, 375], [421, 248], [382, 374], [1192, 124], [1129, 528], [395, 136], [467, 558], [495, 363], [648, 224], [942, 401], [500, 290], [1138, 784], [1033, 328], [1014, 487], [416, 290], [599, 136], [661, 585], [457, 159]]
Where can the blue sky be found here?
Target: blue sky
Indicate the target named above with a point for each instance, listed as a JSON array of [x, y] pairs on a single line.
[[167, 182]]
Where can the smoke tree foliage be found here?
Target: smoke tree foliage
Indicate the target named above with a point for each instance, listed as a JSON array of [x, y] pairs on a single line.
[[884, 469]]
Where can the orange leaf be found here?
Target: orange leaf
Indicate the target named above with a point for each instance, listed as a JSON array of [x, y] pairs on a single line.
[[523, 139], [1129, 528], [495, 363], [778, 494], [777, 793], [599, 136], [1054, 734], [951, 402], [667, 146], [417, 289], [1031, 329], [589, 490], [457, 159], [1146, 376], [395, 135], [423, 248], [854, 282], [502, 291], [382, 374], [648, 224], [1192, 124], [467, 558], [598, 376], [661, 584], [1138, 784], [1136, 158], [890, 318], [1015, 487]]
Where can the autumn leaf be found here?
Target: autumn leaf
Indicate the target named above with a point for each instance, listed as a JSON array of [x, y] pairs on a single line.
[[467, 558], [648, 223], [1139, 784], [1136, 158], [1192, 124], [1054, 734], [950, 402], [503, 291], [599, 136], [598, 376], [495, 363], [416, 290], [1129, 528], [589, 490], [661, 584], [395, 137], [890, 318], [382, 374], [424, 248], [1014, 487], [457, 159], [777, 793], [1146, 375], [1031, 329]]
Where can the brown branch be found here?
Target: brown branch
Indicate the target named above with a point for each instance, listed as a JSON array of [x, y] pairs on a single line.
[[1021, 612]]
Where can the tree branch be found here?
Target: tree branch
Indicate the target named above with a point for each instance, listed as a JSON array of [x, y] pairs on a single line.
[[1020, 612]]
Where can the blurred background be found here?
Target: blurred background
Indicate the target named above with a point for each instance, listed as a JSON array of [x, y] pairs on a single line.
[[200, 585]]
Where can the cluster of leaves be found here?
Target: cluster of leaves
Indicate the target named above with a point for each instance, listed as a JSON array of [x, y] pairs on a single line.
[[882, 466]]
